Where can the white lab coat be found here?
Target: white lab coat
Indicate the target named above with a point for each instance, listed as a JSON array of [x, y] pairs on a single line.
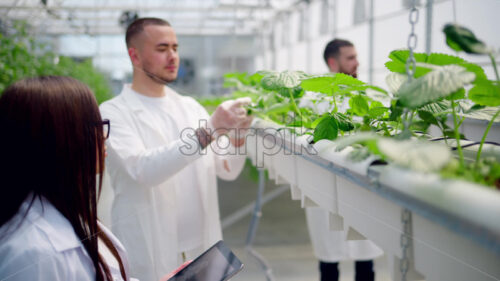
[[45, 247], [142, 164], [333, 246]]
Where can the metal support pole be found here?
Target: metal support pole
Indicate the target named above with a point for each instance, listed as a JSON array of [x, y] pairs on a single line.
[[272, 44], [428, 26], [253, 228], [371, 39], [289, 40], [308, 38], [335, 16]]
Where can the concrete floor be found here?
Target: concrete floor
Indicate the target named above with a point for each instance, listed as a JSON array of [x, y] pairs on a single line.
[[282, 237]]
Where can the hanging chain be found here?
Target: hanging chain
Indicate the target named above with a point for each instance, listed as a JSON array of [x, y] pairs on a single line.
[[405, 243], [411, 66], [411, 63]]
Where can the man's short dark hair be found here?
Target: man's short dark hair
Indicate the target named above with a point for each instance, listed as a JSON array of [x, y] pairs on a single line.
[[137, 27], [332, 49]]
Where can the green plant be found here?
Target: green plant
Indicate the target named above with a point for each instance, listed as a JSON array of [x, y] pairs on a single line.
[[390, 124], [485, 92], [22, 56]]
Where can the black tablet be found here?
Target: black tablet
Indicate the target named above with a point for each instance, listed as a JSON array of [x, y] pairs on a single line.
[[217, 263]]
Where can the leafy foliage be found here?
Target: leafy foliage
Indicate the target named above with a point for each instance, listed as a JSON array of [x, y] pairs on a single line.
[[397, 63], [391, 125], [327, 128], [435, 85], [486, 92], [275, 81], [460, 38], [22, 56]]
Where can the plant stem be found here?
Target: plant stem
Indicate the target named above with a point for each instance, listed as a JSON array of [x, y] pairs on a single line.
[[457, 135], [493, 62], [478, 156], [295, 107], [461, 121], [410, 118]]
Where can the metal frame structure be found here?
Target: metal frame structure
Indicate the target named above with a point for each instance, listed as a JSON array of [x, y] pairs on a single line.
[[101, 17]]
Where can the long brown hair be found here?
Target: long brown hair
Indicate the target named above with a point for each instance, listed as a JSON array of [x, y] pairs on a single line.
[[52, 143]]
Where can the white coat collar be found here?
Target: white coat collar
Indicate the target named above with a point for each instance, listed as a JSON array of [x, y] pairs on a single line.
[[135, 104], [49, 220]]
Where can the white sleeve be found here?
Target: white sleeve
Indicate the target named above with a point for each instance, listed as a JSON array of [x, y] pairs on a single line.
[[148, 167], [228, 161]]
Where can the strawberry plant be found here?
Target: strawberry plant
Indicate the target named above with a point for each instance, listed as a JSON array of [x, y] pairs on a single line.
[[391, 124]]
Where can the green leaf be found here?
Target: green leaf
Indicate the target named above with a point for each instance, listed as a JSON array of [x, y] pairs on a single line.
[[297, 92], [345, 124], [476, 69], [437, 84], [344, 79], [486, 93], [398, 60], [376, 112], [376, 104], [329, 84], [297, 122], [418, 155], [442, 107], [239, 76], [321, 84], [315, 123], [230, 82], [460, 38], [359, 105], [485, 113], [358, 88], [397, 64], [394, 81], [419, 126], [396, 112], [383, 97], [327, 128], [457, 95], [275, 81], [427, 117], [256, 78], [377, 89], [277, 108], [450, 133]]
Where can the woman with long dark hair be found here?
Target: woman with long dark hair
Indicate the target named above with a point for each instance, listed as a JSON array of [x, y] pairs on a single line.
[[52, 146]]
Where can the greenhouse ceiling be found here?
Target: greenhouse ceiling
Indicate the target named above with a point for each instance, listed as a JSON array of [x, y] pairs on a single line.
[[108, 17]]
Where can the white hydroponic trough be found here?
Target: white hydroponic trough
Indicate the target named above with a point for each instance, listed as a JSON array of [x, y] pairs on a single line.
[[455, 224]]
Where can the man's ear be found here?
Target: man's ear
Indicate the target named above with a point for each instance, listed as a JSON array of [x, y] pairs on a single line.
[[134, 55], [332, 64]]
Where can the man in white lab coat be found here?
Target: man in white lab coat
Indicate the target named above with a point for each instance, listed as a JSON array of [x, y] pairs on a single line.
[[331, 247], [161, 159]]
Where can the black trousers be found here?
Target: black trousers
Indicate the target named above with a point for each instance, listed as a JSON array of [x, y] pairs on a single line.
[[329, 271]]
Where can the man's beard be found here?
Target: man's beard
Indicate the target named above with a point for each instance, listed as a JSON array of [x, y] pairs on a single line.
[[355, 74], [157, 78]]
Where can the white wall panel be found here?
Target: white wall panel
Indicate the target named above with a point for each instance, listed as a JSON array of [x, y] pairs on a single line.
[[299, 56], [345, 12], [386, 7], [282, 59]]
